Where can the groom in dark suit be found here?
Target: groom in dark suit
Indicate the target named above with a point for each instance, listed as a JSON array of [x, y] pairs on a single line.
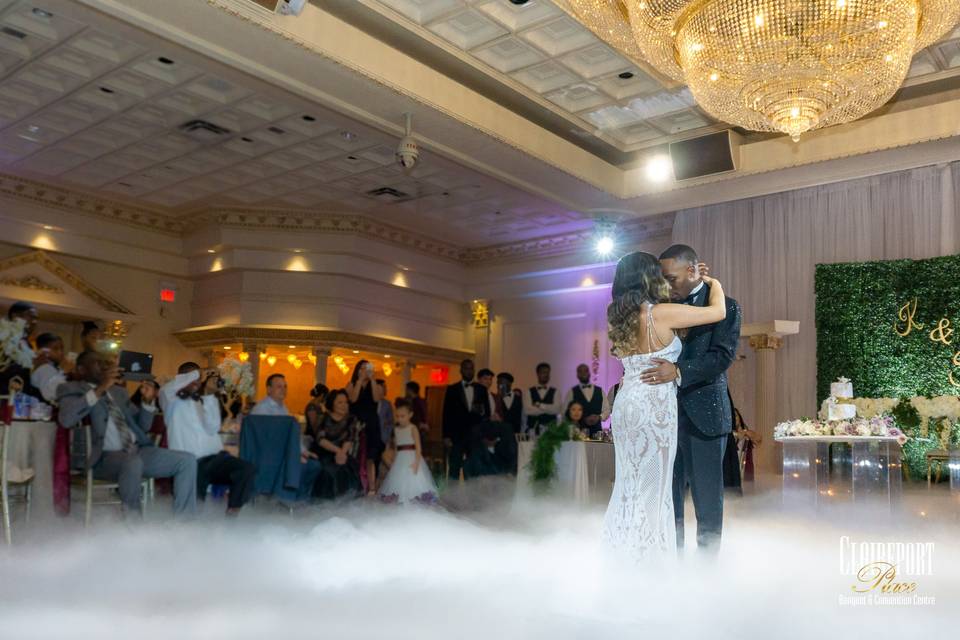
[[466, 404], [703, 403]]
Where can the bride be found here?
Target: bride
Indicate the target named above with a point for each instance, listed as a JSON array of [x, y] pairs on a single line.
[[643, 325]]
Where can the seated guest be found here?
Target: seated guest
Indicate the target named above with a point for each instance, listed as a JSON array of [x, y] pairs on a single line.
[[192, 414], [419, 406], [337, 448], [49, 376], [121, 451], [590, 398], [274, 404], [509, 402], [318, 397], [573, 418]]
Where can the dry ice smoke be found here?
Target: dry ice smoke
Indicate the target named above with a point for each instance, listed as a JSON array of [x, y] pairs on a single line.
[[490, 569]]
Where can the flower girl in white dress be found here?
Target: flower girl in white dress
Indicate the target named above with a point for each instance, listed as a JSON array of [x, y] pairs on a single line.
[[409, 479]]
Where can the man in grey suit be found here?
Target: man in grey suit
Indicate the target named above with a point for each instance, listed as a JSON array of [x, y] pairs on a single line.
[[120, 450]]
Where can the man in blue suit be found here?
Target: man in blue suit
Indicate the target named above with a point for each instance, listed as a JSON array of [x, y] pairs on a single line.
[[704, 411]]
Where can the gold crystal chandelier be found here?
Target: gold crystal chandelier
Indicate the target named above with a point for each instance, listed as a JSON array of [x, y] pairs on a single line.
[[775, 65]]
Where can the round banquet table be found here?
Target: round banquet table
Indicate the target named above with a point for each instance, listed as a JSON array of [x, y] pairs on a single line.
[[585, 471]]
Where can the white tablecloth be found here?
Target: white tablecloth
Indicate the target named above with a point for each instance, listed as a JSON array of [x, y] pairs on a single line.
[[30, 454], [585, 471]]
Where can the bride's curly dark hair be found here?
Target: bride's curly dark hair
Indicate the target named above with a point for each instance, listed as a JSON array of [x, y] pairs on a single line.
[[639, 279]]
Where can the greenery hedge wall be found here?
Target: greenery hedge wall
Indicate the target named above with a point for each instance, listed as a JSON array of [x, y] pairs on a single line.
[[857, 313], [889, 327]]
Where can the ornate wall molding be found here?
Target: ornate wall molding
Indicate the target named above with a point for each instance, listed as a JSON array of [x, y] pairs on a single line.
[[32, 282], [205, 337], [75, 202], [39, 257]]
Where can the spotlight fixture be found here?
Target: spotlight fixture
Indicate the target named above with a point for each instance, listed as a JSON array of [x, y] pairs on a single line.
[[519, 3], [291, 7], [659, 168], [604, 234]]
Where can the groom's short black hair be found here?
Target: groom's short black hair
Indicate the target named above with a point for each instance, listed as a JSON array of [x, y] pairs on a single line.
[[682, 253]]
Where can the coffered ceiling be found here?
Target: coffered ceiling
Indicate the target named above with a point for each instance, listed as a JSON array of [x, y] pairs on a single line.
[[189, 110], [538, 50], [87, 103]]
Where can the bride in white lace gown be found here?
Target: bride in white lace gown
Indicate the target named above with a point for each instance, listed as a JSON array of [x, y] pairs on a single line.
[[639, 522]]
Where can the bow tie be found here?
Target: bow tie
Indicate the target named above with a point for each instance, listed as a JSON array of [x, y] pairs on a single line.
[[586, 386]]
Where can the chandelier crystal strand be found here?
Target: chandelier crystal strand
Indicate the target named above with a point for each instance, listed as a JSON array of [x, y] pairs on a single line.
[[776, 65]]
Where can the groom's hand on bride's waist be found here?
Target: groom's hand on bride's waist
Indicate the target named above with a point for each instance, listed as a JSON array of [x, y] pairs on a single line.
[[662, 372]]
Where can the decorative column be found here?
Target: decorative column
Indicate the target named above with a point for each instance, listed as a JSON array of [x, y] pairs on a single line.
[[408, 368], [480, 310], [765, 339], [322, 355], [948, 212], [253, 352]]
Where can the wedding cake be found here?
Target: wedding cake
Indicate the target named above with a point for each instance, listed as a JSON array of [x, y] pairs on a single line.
[[841, 390]]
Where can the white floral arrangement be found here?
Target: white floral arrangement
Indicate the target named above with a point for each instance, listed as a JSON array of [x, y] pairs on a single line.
[[877, 426], [13, 348], [237, 378], [928, 408]]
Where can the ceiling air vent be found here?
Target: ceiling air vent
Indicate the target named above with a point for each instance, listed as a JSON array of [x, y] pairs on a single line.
[[388, 194], [13, 33], [203, 131]]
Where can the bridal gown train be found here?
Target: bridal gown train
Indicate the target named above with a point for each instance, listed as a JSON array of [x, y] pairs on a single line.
[[639, 522]]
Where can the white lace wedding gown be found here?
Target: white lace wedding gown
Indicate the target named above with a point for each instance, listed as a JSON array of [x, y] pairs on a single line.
[[639, 522]]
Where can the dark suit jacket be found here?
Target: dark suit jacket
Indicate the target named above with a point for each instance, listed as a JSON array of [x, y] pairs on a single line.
[[72, 399], [459, 420], [708, 352]]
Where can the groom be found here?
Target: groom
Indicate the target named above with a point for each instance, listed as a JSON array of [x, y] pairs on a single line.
[[704, 411]]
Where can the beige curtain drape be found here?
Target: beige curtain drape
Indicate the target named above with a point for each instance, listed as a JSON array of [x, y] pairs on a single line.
[[765, 249]]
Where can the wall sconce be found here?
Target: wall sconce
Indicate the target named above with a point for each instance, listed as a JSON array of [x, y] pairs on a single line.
[[271, 360], [480, 309], [244, 356]]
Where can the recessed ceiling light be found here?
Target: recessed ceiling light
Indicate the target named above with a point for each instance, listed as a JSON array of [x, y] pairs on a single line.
[[309, 118], [352, 158], [107, 90], [211, 251], [164, 60], [659, 168], [348, 135], [246, 139], [298, 250], [387, 356], [293, 346], [227, 348], [355, 351], [42, 13], [626, 75], [33, 128], [276, 130], [47, 227]]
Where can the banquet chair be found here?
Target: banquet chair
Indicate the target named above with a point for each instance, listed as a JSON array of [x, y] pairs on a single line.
[[84, 478], [25, 482]]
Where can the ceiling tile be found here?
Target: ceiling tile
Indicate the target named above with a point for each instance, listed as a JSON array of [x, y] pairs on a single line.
[[578, 97], [546, 76], [517, 17], [596, 60], [680, 121], [423, 11], [467, 29], [560, 36], [508, 54]]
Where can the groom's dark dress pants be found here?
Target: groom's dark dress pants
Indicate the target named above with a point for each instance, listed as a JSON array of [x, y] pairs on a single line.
[[699, 465]]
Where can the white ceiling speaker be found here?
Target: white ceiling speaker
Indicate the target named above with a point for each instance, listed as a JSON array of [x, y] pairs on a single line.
[[291, 7], [408, 152]]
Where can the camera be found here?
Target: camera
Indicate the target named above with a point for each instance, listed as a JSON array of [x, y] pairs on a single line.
[[408, 153], [291, 7]]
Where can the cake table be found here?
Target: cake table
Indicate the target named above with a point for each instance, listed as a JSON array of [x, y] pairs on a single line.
[[874, 469]]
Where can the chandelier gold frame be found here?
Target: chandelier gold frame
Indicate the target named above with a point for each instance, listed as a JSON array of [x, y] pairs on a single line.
[[775, 65]]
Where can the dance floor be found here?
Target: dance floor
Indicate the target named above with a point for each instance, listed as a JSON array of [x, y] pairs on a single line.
[[497, 570]]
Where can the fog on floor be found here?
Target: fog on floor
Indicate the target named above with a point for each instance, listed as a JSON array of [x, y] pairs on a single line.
[[480, 569]]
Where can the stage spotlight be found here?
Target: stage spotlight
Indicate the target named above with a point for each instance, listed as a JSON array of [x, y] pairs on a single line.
[[605, 237], [659, 168], [605, 246]]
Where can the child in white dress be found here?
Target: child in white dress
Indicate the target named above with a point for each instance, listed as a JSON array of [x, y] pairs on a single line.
[[409, 479]]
